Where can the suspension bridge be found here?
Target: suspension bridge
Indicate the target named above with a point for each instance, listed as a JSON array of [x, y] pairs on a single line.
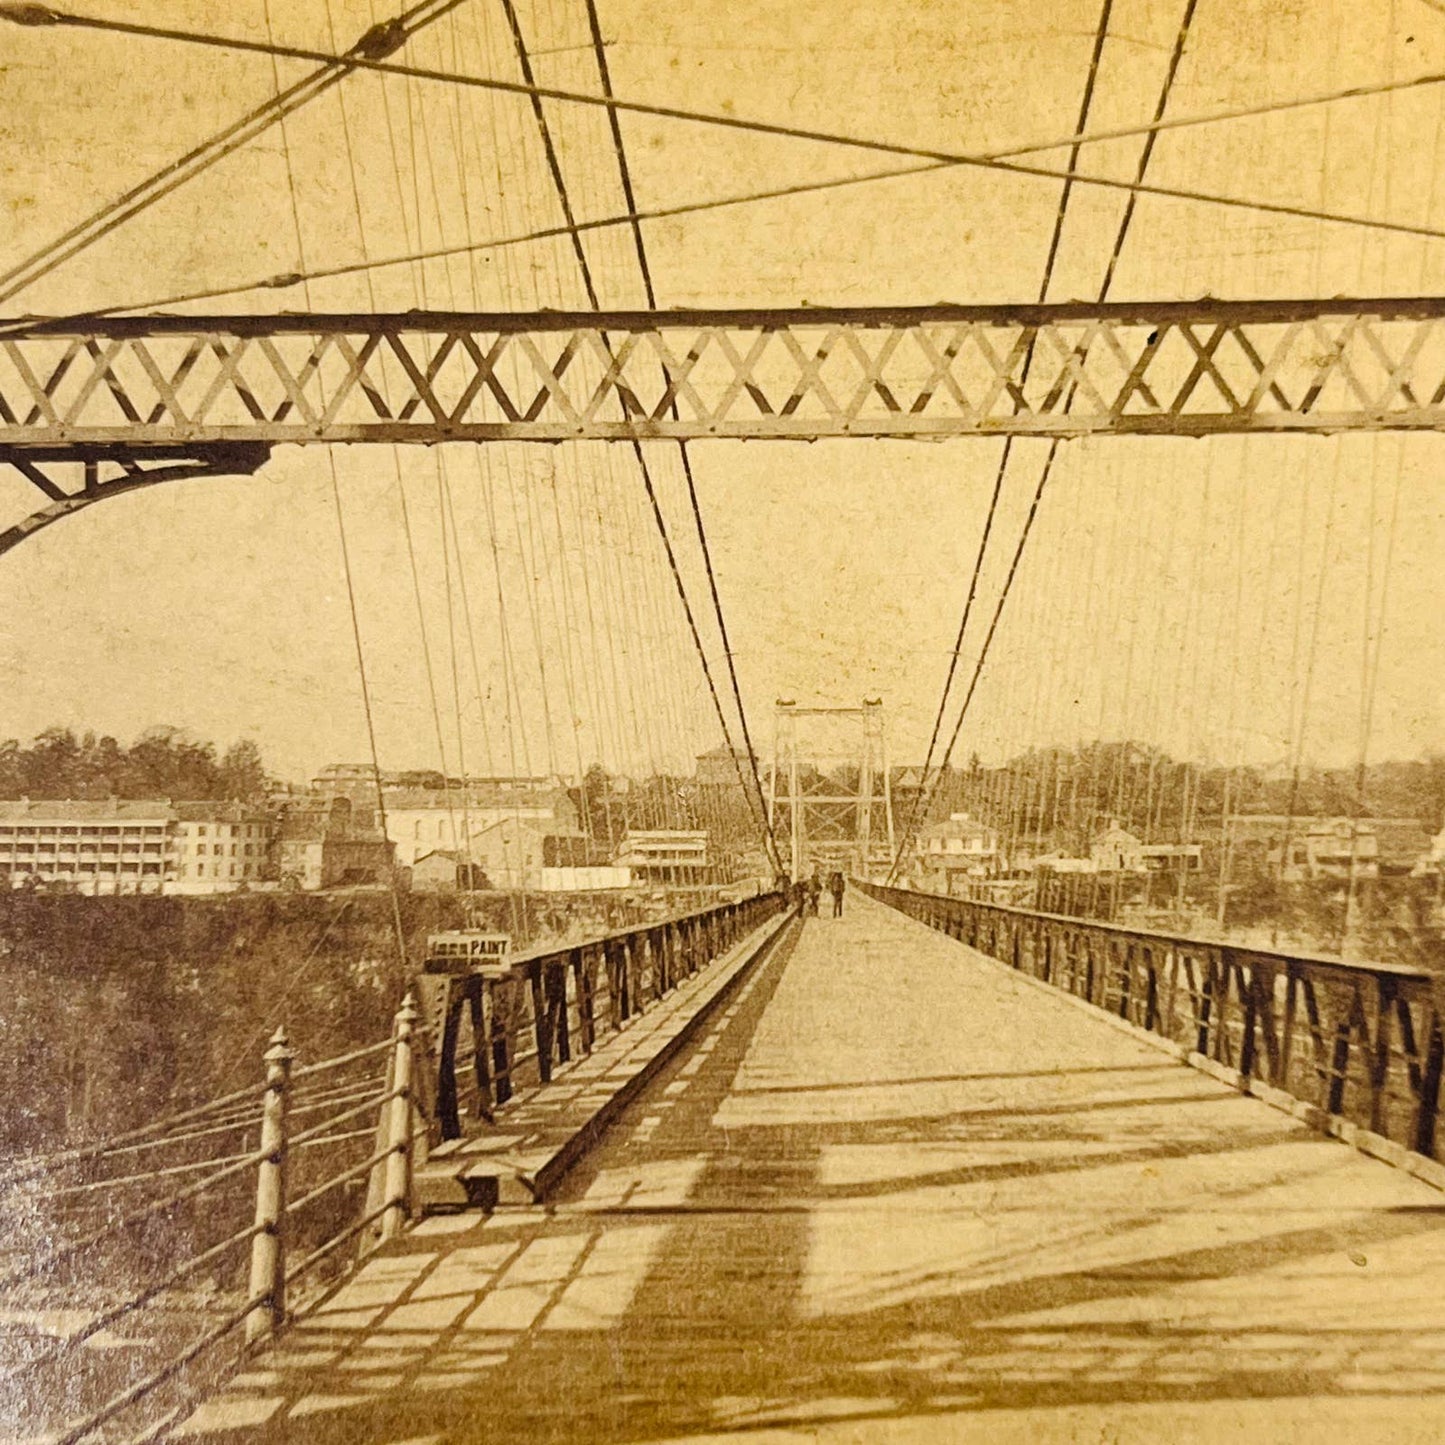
[[1020, 1158]]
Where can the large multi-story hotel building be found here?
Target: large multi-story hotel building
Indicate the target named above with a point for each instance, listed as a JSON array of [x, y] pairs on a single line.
[[124, 846], [94, 847]]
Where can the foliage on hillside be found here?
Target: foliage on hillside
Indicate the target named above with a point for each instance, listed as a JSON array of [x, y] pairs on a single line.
[[163, 762], [1067, 792], [121, 1009]]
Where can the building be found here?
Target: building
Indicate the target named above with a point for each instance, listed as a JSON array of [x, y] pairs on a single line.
[[1337, 848], [1329, 847], [666, 855], [346, 780], [445, 871], [220, 847], [98, 847], [357, 781], [421, 821], [325, 843], [959, 836], [907, 780], [1171, 857], [722, 767], [512, 852], [1117, 850], [957, 847]]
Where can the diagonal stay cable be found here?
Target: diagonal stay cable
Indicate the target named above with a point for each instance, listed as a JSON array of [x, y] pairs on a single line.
[[1101, 35], [629, 197], [559, 182], [384, 38], [1126, 221], [376, 39], [286, 280], [998, 160]]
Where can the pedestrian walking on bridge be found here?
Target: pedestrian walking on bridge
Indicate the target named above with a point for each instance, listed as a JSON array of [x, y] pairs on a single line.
[[837, 884]]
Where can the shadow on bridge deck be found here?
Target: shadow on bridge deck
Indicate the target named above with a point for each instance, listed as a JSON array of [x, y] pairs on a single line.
[[898, 1194]]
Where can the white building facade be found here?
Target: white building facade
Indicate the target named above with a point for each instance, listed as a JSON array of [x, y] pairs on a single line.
[[95, 848], [220, 847]]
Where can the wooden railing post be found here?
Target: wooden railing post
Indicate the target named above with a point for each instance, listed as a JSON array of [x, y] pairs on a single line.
[[268, 1245], [397, 1202], [541, 1021], [585, 962]]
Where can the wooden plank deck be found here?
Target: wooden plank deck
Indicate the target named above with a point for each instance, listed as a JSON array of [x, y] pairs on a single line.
[[546, 1127], [894, 1193]]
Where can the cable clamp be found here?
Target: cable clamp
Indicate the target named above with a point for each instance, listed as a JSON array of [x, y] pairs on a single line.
[[23, 14], [384, 38]]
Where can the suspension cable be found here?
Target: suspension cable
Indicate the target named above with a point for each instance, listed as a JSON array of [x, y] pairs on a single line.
[[385, 38], [397, 924], [554, 166], [926, 791], [629, 197], [380, 40], [1101, 34], [63, 248], [289, 279]]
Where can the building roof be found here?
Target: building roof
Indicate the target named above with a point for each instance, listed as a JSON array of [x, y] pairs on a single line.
[[86, 810], [452, 800], [959, 825], [208, 812], [1400, 840]]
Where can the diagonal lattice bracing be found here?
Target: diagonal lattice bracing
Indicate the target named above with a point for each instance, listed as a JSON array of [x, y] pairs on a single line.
[[133, 385], [70, 480]]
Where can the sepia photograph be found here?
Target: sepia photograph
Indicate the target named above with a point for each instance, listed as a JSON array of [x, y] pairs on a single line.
[[722, 722]]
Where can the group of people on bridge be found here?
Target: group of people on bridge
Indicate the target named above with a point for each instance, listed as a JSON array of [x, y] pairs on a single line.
[[807, 891]]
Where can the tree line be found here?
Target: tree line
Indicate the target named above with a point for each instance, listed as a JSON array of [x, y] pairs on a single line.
[[163, 762], [1068, 793]]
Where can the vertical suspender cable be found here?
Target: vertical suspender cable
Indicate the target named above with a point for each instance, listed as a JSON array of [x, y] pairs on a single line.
[[629, 196], [559, 182], [924, 795], [397, 923], [1175, 58]]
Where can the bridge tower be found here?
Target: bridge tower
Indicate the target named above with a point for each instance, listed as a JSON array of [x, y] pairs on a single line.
[[828, 787]]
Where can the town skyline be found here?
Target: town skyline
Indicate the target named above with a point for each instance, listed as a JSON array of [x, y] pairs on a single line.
[[1281, 765]]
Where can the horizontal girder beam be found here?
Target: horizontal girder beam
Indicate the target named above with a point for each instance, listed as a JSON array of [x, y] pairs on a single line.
[[1194, 368]]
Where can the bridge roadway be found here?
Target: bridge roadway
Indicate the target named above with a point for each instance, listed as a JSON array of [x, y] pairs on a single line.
[[899, 1194]]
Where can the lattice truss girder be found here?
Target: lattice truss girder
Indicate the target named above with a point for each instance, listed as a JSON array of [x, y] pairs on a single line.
[[1169, 368], [70, 480], [822, 822]]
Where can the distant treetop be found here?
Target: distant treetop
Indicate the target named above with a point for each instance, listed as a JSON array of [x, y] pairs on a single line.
[[163, 762]]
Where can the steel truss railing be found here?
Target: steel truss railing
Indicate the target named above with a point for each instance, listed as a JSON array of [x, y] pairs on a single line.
[[1359, 1044], [499, 1031]]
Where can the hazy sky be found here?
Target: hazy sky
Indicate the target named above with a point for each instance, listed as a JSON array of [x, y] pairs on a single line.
[[1228, 597]]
